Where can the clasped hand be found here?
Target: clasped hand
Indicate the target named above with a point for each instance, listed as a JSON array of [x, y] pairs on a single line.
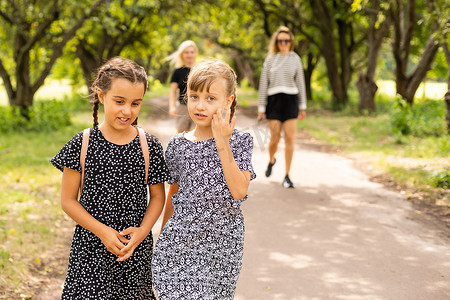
[[222, 128], [117, 244]]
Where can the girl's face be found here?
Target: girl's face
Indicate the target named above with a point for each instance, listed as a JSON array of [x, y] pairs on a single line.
[[122, 103], [189, 55], [284, 42], [202, 105]]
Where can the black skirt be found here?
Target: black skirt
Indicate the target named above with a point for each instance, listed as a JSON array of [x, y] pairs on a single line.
[[282, 107]]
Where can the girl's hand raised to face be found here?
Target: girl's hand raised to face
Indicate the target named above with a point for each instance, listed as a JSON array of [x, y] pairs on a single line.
[[221, 127]]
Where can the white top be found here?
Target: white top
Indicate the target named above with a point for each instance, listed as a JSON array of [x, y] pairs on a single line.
[[282, 73]]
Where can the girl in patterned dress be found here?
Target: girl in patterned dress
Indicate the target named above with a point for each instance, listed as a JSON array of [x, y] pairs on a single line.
[[111, 251], [199, 252]]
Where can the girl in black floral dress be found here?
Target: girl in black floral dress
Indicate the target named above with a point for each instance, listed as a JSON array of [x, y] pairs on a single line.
[[199, 252], [111, 251]]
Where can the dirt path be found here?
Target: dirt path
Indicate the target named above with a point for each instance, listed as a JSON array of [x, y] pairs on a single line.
[[336, 236]]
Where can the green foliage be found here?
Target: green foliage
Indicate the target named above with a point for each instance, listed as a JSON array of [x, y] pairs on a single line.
[[43, 116], [401, 115], [425, 118], [32, 36], [441, 179]]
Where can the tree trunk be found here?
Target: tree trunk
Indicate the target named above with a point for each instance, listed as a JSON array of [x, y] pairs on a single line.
[[420, 72], [404, 19], [447, 95], [163, 73], [346, 69], [367, 89], [310, 66], [24, 93], [89, 63], [447, 105], [243, 68], [328, 50], [366, 85]]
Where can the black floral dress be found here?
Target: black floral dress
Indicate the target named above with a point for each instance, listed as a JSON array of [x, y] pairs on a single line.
[[114, 193], [199, 252]]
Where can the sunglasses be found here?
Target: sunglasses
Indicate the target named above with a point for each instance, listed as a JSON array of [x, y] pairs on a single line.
[[283, 41]]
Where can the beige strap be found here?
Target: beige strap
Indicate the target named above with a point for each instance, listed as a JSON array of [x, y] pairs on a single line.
[[145, 152], [84, 147]]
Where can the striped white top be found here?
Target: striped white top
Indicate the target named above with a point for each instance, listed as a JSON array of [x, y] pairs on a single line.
[[282, 73]]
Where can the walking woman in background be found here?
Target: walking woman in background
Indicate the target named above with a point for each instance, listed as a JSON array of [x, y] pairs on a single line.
[[282, 98], [183, 59]]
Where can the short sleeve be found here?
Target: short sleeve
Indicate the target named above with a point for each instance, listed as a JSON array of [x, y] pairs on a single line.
[[172, 161], [242, 148], [175, 76], [69, 155], [157, 171]]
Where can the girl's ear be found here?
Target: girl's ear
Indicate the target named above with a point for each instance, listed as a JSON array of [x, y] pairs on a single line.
[[100, 95], [229, 102]]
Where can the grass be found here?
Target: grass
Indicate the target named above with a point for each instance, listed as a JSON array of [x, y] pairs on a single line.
[[30, 212], [409, 160]]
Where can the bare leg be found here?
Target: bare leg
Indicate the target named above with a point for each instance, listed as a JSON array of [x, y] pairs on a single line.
[[289, 135], [275, 134]]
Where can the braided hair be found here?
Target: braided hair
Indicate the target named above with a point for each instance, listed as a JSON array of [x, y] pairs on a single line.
[[203, 74], [116, 67]]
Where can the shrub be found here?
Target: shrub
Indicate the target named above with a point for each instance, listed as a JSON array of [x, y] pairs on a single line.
[[10, 119], [401, 114], [442, 179], [422, 119], [42, 116]]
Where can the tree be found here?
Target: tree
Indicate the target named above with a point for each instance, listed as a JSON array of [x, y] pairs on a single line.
[[39, 31], [235, 27], [340, 38], [378, 27], [133, 27], [404, 16]]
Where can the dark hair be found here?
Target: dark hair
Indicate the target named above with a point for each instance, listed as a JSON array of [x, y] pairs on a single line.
[[203, 74], [116, 67]]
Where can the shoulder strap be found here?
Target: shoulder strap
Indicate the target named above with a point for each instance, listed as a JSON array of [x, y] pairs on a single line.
[[145, 152], [84, 147]]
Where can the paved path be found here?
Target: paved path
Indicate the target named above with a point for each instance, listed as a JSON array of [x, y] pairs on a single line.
[[336, 236]]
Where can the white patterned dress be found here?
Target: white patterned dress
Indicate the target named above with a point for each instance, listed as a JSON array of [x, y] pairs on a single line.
[[114, 193], [199, 252]]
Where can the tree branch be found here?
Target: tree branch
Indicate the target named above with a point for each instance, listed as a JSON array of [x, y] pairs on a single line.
[[419, 73], [447, 58], [58, 48], [408, 32], [262, 7], [6, 81], [7, 18], [40, 32]]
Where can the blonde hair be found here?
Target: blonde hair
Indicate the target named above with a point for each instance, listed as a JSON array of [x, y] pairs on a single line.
[[203, 74], [273, 45], [176, 58]]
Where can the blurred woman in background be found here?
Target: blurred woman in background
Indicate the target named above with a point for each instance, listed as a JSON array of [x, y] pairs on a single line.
[[282, 98], [183, 59]]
